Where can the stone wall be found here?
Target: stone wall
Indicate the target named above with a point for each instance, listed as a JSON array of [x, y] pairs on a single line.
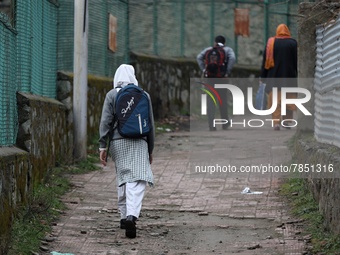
[[167, 80], [97, 89], [44, 140], [307, 150], [15, 183], [45, 132], [325, 186]]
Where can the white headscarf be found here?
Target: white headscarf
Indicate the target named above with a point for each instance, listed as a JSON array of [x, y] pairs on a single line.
[[125, 74]]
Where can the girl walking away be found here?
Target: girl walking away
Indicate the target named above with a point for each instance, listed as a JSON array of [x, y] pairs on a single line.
[[132, 156]]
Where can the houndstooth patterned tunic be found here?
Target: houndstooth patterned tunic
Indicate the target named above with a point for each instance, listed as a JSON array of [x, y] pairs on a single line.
[[131, 159]]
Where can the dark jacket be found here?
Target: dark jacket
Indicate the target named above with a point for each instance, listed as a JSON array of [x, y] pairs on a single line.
[[285, 65]]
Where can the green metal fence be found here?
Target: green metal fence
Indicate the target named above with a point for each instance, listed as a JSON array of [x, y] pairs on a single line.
[[182, 28], [65, 35], [8, 115], [38, 39], [101, 61], [28, 50], [36, 26]]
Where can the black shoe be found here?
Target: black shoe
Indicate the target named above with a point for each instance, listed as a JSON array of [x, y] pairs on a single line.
[[212, 128], [130, 226], [123, 224], [288, 125], [226, 126]]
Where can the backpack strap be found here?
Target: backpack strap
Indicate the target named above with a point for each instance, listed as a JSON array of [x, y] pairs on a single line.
[[114, 118], [114, 123]]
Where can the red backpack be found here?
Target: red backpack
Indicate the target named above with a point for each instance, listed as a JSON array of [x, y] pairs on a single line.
[[215, 66]]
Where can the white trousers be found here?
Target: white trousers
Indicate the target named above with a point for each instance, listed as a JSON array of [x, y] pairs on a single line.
[[130, 197]]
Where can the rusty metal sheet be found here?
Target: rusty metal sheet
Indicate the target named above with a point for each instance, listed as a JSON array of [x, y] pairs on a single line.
[[241, 17]]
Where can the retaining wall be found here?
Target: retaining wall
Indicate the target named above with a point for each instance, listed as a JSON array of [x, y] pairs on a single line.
[[324, 189], [167, 80]]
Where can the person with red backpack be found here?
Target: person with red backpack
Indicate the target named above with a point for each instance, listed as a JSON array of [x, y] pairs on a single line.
[[217, 62]]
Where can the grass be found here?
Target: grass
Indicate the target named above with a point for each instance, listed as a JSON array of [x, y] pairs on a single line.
[[34, 221], [303, 206]]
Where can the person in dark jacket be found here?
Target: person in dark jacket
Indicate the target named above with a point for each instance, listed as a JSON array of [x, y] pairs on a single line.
[[279, 69]]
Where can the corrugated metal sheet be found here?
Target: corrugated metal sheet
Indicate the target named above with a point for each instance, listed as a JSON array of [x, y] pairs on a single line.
[[326, 85]]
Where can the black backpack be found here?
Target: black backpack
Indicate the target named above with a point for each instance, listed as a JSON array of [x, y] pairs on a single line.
[[215, 63]]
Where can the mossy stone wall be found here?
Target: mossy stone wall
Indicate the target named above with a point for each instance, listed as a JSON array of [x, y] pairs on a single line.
[[325, 188], [15, 184], [44, 140], [324, 181], [167, 80]]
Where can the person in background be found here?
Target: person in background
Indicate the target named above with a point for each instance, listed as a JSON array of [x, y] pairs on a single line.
[[132, 157], [222, 71], [279, 69]]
